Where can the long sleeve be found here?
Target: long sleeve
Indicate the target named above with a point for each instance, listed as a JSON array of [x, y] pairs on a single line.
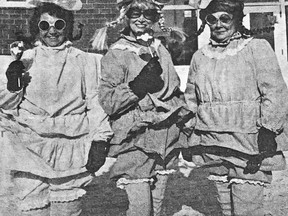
[[273, 90], [190, 92], [98, 120], [115, 95]]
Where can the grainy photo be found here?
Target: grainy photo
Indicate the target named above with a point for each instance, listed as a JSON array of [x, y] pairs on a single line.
[[143, 108]]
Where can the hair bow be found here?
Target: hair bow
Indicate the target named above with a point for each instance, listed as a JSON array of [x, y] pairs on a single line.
[[71, 5], [199, 4], [161, 2]]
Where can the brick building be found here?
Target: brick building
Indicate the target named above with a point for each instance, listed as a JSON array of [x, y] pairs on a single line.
[[14, 18], [267, 18]]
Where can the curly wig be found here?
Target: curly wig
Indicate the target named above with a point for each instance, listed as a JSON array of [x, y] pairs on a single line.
[[52, 10]]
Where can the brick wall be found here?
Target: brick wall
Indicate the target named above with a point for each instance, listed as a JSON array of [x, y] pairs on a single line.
[[93, 15]]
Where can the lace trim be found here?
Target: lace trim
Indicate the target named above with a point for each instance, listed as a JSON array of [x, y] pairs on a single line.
[[243, 181], [235, 180], [122, 182], [218, 178], [66, 196], [61, 47], [228, 52], [31, 205], [165, 172], [236, 35]]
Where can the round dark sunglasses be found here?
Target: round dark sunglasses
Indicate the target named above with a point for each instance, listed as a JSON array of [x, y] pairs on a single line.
[[59, 24], [224, 18], [149, 14]]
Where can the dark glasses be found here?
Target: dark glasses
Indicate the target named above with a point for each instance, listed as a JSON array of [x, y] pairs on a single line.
[[59, 24], [150, 14], [224, 18]]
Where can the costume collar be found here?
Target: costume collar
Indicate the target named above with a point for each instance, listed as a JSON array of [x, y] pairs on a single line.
[[61, 47], [221, 52], [236, 35]]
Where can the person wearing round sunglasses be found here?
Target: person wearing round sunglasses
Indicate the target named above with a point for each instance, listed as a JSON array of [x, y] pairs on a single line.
[[57, 131], [236, 91], [139, 90]]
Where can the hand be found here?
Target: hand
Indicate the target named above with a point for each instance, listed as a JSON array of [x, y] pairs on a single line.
[[253, 165], [187, 154], [148, 80], [266, 141], [14, 76], [267, 148], [97, 156]]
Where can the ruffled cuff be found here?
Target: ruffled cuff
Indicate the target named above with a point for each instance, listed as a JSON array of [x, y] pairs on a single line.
[[165, 172], [225, 179], [122, 182]]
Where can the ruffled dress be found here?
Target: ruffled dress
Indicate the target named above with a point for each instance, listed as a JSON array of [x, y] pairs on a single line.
[[148, 125], [51, 122], [235, 89]]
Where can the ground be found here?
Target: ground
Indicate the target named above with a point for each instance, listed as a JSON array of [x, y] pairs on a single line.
[[195, 191]]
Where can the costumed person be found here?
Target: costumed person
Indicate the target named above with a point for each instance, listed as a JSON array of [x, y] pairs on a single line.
[[139, 90], [236, 91], [57, 131]]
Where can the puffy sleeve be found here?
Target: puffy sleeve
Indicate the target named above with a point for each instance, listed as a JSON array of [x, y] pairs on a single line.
[[272, 87], [98, 120], [115, 95], [190, 92]]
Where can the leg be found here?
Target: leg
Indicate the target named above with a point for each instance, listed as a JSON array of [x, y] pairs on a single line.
[[247, 199], [158, 193], [224, 197], [139, 196], [72, 208], [32, 194], [66, 193]]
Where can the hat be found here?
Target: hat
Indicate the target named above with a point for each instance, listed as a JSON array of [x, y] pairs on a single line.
[[71, 5], [234, 7]]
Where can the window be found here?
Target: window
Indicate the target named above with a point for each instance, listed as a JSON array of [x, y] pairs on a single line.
[[181, 16]]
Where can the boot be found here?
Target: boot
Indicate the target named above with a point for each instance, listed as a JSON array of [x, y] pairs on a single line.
[[224, 198], [139, 197], [158, 193]]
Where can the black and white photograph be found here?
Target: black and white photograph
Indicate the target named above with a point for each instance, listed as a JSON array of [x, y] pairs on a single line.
[[143, 107]]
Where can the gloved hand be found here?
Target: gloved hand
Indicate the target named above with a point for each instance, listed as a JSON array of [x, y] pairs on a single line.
[[14, 76], [148, 80], [97, 156], [267, 148], [266, 141], [187, 154], [253, 165]]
